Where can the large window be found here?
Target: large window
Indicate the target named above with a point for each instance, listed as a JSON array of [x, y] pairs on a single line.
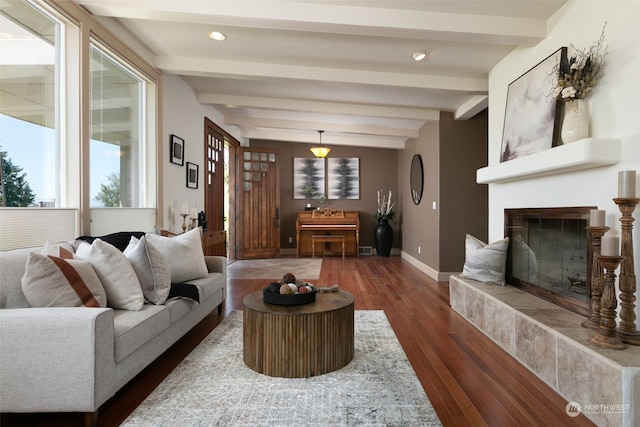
[[117, 132], [29, 106], [78, 126]]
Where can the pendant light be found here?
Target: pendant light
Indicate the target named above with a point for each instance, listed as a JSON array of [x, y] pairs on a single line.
[[319, 150]]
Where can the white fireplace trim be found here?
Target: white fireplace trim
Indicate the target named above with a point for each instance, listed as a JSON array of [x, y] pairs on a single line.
[[583, 154]]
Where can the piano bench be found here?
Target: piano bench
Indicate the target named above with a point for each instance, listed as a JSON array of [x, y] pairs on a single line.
[[326, 238]]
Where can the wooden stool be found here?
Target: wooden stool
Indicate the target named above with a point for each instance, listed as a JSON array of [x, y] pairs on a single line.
[[326, 238]]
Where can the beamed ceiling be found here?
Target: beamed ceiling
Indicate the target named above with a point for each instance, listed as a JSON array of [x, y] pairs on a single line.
[[289, 68]]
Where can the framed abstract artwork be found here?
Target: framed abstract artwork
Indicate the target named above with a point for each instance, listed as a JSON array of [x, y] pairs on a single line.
[[343, 178], [192, 175], [531, 115], [308, 177], [176, 150]]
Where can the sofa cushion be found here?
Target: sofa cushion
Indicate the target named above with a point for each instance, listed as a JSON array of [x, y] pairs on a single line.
[[116, 273], [184, 253], [51, 281], [210, 284], [132, 329], [485, 262], [152, 269], [178, 308], [12, 265]]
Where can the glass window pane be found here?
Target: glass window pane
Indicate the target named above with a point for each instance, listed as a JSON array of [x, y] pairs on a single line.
[[117, 154], [29, 111]]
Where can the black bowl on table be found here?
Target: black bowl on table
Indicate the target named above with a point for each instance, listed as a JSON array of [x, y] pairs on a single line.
[[288, 299]]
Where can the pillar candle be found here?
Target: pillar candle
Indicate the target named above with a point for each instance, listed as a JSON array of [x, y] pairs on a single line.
[[194, 213], [596, 218], [610, 245], [185, 209], [627, 184]]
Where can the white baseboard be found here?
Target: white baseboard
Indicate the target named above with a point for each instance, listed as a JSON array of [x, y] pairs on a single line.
[[434, 274]]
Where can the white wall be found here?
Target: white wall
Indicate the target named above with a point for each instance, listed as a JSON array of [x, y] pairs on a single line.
[[614, 106], [184, 116]]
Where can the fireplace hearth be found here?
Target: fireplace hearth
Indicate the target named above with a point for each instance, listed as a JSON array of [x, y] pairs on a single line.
[[549, 254]]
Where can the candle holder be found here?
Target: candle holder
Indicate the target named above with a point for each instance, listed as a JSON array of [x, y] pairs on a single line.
[[627, 327], [184, 222], [597, 279], [606, 336], [193, 223]]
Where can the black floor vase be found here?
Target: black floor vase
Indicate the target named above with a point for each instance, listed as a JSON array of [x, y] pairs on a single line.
[[383, 237]]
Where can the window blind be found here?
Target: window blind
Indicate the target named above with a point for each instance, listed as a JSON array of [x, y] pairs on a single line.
[[28, 227]]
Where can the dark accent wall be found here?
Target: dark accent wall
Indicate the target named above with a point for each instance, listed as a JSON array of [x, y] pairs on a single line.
[[452, 151], [420, 222], [378, 171], [464, 204]]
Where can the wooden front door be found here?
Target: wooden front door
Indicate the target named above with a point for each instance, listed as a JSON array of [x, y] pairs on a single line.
[[258, 204], [214, 237]]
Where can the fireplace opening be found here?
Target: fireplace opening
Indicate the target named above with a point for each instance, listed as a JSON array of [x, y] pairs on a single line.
[[549, 254]]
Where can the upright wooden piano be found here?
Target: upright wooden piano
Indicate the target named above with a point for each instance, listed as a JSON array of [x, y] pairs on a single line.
[[327, 222]]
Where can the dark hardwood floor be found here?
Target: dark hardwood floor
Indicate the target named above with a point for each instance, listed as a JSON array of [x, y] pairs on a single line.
[[469, 379]]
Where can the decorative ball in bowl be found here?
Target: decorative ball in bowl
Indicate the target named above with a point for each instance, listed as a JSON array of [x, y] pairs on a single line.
[[289, 291]]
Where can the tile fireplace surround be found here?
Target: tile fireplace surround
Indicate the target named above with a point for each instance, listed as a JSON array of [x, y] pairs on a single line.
[[550, 342]]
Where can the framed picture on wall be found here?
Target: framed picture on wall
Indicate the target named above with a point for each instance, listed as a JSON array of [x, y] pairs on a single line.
[[343, 178], [308, 177], [531, 120], [192, 175], [176, 150]]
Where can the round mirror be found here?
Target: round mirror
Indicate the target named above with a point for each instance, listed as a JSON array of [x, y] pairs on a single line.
[[416, 180]]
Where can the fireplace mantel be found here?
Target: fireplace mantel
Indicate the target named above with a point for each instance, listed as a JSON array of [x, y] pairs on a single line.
[[583, 154]]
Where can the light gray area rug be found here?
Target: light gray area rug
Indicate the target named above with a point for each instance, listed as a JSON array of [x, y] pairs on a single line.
[[213, 387], [275, 268]]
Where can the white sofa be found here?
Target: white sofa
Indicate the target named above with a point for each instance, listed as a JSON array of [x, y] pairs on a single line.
[[73, 359]]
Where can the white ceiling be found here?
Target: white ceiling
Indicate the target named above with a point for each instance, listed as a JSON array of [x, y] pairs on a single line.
[[289, 68]]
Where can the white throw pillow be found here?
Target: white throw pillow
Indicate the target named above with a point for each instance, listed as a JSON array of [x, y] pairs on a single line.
[[116, 273], [184, 253], [62, 249], [152, 269], [485, 262], [51, 281]]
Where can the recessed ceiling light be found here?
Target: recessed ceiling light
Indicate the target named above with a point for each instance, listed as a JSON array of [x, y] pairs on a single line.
[[419, 55], [216, 35]]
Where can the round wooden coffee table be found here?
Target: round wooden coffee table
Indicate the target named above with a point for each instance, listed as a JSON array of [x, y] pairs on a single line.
[[298, 341]]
